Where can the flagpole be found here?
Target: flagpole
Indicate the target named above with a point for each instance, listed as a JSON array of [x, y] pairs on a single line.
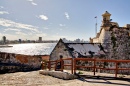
[[96, 26]]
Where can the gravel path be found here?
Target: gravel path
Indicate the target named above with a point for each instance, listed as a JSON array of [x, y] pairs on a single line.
[[35, 79], [29, 78]]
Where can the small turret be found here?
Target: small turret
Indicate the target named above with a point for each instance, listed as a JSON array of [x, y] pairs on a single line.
[[106, 19], [106, 16]]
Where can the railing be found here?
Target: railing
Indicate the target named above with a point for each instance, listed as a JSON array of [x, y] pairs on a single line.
[[99, 60], [74, 66], [71, 65], [54, 63], [50, 63]]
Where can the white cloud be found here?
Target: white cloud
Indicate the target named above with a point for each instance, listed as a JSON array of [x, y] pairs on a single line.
[[24, 36], [32, 2], [45, 28], [41, 34], [11, 29], [12, 24], [34, 37], [43, 17], [1, 7], [57, 37], [4, 12], [62, 25], [20, 33], [9, 36], [67, 15]]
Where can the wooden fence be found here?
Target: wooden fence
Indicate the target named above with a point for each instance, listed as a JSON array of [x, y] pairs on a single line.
[[53, 64], [74, 66]]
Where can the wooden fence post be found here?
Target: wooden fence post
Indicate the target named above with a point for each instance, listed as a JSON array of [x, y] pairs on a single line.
[[49, 65], [94, 66], [55, 65], [72, 65], [62, 64], [116, 71]]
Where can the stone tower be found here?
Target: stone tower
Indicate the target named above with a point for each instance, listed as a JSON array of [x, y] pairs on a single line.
[[104, 35], [106, 24], [106, 20]]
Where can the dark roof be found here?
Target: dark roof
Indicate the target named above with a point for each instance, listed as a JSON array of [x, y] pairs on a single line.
[[84, 49]]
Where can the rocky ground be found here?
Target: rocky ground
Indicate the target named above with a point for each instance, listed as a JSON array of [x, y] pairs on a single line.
[[33, 78]]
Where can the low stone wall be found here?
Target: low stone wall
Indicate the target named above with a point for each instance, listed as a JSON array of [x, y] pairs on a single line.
[[59, 74], [10, 62]]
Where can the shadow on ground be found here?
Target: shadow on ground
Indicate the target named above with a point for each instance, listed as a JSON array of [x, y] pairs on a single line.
[[105, 80]]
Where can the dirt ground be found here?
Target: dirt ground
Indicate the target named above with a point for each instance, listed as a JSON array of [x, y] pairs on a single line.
[[33, 78]]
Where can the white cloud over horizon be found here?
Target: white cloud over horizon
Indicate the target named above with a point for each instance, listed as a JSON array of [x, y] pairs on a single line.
[[11, 29], [43, 17], [12, 24], [9, 36], [41, 34], [67, 15], [20, 30], [57, 37], [20, 33], [4, 12]]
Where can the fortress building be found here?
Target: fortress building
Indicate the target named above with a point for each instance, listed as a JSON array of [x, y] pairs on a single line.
[[114, 39], [112, 42], [104, 33]]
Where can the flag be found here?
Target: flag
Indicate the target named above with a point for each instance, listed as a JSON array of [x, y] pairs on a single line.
[[95, 17]]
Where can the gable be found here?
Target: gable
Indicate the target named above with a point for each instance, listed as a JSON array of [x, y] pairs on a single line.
[[60, 49]]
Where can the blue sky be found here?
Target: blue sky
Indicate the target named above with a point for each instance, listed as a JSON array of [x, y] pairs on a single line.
[[54, 19]]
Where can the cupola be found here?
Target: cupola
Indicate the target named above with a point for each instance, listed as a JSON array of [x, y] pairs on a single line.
[[106, 16]]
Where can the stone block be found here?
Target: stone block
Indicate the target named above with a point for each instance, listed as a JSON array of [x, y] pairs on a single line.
[[59, 74]]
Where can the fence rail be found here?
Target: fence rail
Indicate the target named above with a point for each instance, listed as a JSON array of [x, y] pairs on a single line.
[[74, 66]]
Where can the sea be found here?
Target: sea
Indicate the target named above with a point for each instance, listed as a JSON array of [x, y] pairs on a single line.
[[29, 48]]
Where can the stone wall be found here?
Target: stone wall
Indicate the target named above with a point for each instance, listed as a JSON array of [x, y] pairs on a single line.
[[118, 47], [59, 50], [10, 62]]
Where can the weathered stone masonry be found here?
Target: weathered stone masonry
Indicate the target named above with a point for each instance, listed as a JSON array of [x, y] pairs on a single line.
[[115, 40], [10, 62]]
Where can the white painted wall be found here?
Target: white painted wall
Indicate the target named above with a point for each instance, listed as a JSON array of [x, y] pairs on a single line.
[[96, 40], [104, 35]]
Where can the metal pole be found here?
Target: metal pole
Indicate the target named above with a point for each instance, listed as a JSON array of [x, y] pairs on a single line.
[[96, 26]]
